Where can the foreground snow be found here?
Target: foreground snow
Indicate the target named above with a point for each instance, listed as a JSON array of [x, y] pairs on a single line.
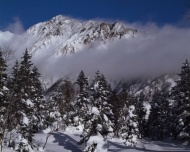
[[67, 142]]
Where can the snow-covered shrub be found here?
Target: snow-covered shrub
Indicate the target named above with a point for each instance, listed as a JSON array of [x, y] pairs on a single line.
[[96, 144]]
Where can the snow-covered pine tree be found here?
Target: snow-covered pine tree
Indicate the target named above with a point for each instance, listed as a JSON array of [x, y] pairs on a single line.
[[82, 81], [129, 128], [38, 100], [29, 100], [14, 115], [98, 123], [117, 107], [101, 100], [157, 122], [142, 113], [4, 102], [55, 111], [181, 105], [82, 101], [119, 103], [26, 105]]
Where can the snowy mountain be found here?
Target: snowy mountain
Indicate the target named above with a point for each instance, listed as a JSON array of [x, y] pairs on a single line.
[[64, 35]]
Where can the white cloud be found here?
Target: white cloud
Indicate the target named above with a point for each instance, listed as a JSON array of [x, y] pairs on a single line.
[[162, 50], [156, 51]]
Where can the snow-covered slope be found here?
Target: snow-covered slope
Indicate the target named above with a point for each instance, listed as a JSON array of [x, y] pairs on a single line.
[[64, 35], [66, 141]]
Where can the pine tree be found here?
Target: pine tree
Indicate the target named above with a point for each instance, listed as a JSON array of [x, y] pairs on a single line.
[[26, 106], [101, 100], [29, 99], [117, 107], [129, 129], [181, 105], [14, 115], [4, 102], [143, 114], [119, 103], [98, 122], [157, 123], [82, 81], [38, 100], [82, 101], [55, 110]]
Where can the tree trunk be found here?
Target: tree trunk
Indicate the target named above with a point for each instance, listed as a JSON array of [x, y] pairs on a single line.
[[46, 140]]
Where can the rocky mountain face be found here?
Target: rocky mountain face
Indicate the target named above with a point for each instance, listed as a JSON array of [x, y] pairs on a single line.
[[62, 35], [66, 36]]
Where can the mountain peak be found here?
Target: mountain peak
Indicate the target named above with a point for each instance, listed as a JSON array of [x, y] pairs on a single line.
[[66, 35], [60, 17]]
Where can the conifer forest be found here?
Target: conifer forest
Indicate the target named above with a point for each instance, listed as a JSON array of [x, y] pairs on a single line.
[[104, 112]]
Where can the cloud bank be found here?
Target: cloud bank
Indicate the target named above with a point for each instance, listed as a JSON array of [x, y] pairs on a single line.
[[153, 52], [161, 50]]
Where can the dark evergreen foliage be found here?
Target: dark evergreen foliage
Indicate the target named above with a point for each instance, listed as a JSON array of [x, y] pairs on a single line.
[[26, 94], [142, 115], [4, 100], [157, 123], [181, 105], [82, 99]]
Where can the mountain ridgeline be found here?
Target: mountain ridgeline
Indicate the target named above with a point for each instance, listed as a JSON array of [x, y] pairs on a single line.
[[68, 35], [64, 35]]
